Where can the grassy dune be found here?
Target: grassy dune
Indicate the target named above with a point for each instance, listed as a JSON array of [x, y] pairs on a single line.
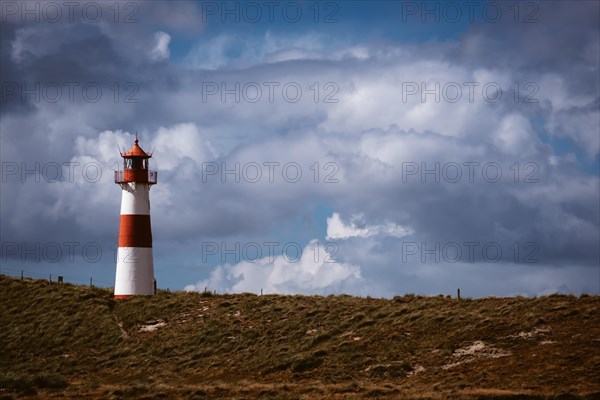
[[65, 341]]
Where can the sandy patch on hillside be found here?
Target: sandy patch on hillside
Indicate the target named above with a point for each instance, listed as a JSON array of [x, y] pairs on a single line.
[[477, 350], [535, 332], [152, 326]]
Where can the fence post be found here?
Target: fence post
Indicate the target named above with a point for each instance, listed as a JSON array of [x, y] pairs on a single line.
[[458, 293], [261, 292], [21, 274], [91, 284], [50, 279]]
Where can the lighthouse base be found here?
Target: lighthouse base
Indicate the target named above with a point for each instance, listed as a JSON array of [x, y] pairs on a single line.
[[135, 272], [122, 296]]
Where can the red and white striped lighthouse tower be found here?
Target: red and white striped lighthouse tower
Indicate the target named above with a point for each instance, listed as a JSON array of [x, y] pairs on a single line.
[[135, 266]]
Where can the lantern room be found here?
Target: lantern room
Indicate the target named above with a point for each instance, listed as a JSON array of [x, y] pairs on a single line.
[[136, 166]]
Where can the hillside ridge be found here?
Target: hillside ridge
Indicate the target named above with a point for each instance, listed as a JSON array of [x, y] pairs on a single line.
[[67, 341]]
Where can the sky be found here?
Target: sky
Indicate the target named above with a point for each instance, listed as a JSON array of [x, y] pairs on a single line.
[[308, 147]]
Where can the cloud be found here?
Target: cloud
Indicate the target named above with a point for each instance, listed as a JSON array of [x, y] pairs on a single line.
[[161, 50], [242, 50], [338, 229], [315, 272], [367, 136]]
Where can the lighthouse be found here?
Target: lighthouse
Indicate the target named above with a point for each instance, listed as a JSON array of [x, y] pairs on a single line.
[[135, 266]]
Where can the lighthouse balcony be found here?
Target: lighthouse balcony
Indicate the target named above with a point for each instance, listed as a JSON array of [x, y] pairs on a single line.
[[136, 175]]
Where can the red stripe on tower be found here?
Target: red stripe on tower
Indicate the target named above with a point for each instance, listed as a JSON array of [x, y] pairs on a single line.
[[135, 231]]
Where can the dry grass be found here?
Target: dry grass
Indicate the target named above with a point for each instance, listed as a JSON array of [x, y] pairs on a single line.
[[76, 342]]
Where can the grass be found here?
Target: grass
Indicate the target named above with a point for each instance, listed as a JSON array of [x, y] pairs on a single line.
[[65, 341]]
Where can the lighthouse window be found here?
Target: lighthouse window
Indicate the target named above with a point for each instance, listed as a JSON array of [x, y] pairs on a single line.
[[136, 163]]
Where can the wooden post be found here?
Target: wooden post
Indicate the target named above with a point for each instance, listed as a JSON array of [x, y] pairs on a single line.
[[50, 279], [91, 284], [155, 286], [21, 274], [261, 292], [458, 293]]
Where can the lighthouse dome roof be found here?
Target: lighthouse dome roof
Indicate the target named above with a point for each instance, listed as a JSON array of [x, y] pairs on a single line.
[[136, 151]]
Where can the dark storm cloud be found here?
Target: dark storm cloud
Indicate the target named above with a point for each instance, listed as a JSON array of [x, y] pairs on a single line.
[[9, 72], [559, 38], [556, 36]]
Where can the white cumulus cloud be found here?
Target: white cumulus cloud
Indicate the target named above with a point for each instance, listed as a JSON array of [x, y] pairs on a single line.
[[338, 229], [161, 46], [315, 272]]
